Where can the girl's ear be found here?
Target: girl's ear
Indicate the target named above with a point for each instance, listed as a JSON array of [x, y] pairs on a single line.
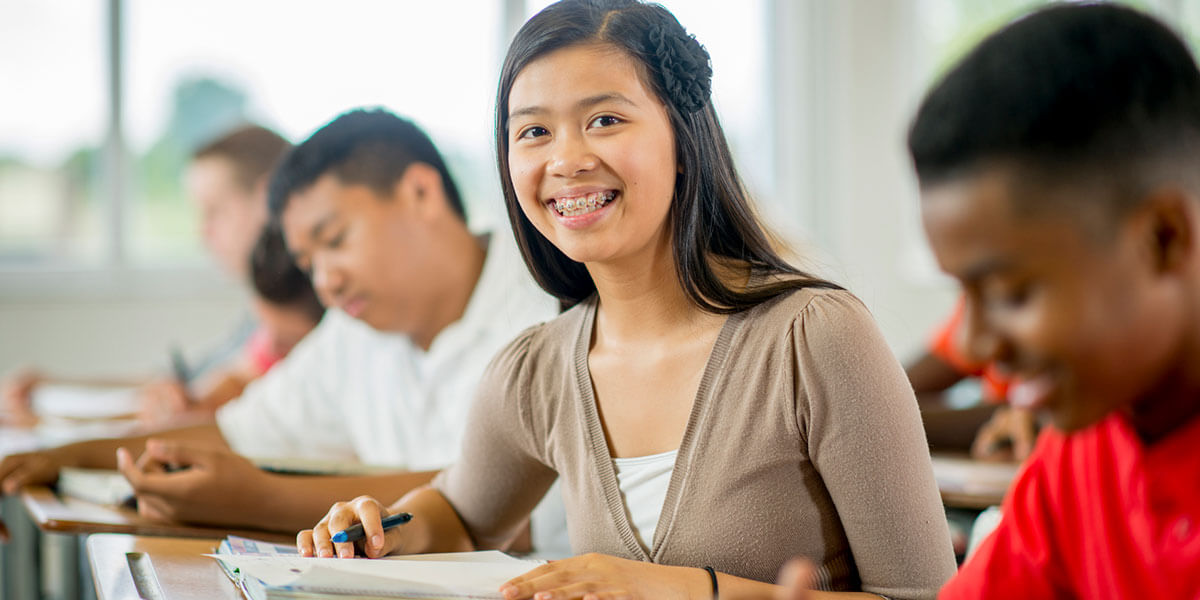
[[1172, 217]]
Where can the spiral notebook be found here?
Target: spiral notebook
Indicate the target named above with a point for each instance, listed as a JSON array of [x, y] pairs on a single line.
[[471, 575]]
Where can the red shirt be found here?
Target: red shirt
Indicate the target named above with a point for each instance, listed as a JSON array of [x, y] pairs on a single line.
[[260, 351], [1096, 514], [947, 345]]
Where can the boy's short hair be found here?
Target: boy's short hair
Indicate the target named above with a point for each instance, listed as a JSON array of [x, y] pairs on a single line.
[[252, 149], [276, 277], [1097, 90], [367, 147]]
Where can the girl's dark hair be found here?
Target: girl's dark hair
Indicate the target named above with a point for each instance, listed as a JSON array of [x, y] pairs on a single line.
[[276, 277], [711, 214]]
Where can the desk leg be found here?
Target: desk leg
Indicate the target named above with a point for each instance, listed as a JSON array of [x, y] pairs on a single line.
[[60, 567], [87, 585], [19, 569]]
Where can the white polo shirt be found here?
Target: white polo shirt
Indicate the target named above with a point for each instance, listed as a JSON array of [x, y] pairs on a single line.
[[350, 392]]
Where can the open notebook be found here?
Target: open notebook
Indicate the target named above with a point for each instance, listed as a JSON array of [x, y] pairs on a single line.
[[270, 572]]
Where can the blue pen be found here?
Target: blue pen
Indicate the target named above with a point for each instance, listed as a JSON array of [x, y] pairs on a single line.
[[355, 532]]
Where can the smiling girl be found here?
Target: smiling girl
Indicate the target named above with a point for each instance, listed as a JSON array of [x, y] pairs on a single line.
[[710, 409]]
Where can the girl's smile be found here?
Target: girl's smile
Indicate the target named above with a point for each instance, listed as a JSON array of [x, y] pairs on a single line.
[[578, 209]]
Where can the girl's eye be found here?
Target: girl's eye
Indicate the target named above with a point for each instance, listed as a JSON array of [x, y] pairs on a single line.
[[604, 121], [533, 132]]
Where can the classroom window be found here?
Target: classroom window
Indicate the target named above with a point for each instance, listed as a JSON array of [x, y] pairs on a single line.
[[293, 67], [52, 125]]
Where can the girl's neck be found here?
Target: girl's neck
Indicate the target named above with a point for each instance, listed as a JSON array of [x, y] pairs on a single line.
[[642, 298]]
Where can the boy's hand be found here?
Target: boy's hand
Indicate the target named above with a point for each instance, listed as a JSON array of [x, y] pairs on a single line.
[[796, 578], [31, 468], [363, 509], [1007, 436], [176, 482], [3, 532], [16, 397]]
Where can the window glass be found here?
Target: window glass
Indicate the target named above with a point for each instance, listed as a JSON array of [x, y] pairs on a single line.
[[293, 66], [52, 123]]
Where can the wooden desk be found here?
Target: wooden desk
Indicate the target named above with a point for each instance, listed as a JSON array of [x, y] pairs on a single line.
[[80, 517], [968, 483], [126, 566]]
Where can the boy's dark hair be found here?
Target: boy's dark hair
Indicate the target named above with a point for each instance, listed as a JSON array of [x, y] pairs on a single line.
[[367, 147], [711, 214], [252, 149], [1094, 90], [276, 277]]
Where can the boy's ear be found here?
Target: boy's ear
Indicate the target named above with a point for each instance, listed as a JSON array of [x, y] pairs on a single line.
[[1172, 217], [421, 187]]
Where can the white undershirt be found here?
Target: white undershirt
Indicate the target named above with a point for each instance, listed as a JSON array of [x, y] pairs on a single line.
[[643, 481]]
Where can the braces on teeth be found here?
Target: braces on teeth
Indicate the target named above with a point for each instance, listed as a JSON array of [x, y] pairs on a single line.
[[573, 207]]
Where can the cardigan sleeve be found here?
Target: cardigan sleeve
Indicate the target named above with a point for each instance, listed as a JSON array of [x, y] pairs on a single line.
[[858, 417], [500, 475]]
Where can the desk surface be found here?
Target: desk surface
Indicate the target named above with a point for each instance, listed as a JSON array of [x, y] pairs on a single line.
[[80, 517], [127, 566], [967, 483]]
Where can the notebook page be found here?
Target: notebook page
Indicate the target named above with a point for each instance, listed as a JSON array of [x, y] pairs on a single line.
[[84, 402], [385, 578]]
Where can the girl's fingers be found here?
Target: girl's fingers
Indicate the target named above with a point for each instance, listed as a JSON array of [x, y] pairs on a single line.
[[304, 543], [541, 579], [371, 517], [322, 547]]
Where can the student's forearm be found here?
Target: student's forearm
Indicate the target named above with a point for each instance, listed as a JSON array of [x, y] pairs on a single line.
[[931, 374], [101, 453], [220, 390], [295, 502], [435, 527]]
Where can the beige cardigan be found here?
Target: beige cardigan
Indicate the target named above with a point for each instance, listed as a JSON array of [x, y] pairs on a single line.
[[804, 439]]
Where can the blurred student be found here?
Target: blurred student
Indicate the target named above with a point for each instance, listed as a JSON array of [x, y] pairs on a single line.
[[417, 306], [1059, 165], [286, 308], [1010, 431], [708, 408], [226, 179]]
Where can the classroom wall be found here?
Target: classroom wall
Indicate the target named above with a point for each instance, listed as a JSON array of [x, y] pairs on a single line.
[[76, 325], [846, 193]]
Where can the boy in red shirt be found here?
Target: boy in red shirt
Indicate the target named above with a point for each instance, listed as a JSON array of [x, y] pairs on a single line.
[[1059, 166]]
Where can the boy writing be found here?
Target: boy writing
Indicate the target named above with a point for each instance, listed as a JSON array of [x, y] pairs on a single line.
[[418, 306]]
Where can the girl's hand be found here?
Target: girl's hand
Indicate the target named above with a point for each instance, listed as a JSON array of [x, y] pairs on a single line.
[[601, 577], [161, 400], [363, 509], [795, 579]]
